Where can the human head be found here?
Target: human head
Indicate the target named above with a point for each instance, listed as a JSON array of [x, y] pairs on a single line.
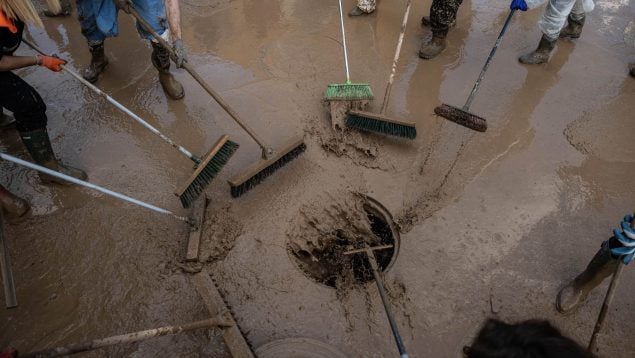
[[528, 339], [22, 10]]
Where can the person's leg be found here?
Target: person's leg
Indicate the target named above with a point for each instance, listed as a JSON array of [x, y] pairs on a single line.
[[551, 23], [12, 203], [363, 7], [87, 15], [575, 21], [442, 16], [153, 11], [29, 111]]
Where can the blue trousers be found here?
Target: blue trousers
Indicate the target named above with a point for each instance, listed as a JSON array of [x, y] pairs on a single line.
[[98, 18]]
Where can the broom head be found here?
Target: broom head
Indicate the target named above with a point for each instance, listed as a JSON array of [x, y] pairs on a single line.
[[206, 171], [242, 183], [462, 117], [378, 123], [348, 92]]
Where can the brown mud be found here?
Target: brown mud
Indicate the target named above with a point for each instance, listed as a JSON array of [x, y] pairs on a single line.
[[491, 224]]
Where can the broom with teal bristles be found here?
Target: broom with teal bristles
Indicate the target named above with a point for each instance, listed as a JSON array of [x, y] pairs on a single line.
[[381, 123], [347, 91]]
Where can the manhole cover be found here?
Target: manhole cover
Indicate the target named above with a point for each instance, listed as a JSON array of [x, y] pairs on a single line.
[[346, 222]]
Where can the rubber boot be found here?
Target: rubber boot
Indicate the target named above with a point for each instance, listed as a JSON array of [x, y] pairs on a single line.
[[602, 265], [98, 62], [161, 60], [11, 203], [430, 48], [541, 54], [66, 10], [38, 144], [5, 119], [573, 28], [425, 22]]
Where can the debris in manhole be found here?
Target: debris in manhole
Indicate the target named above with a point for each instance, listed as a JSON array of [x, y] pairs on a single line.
[[324, 233]]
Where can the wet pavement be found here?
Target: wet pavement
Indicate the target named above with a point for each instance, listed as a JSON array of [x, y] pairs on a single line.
[[492, 224]]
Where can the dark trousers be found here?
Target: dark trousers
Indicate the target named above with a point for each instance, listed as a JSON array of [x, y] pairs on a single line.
[[442, 14], [23, 100]]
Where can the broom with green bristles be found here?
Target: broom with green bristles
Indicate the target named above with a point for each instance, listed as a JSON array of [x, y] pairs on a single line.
[[206, 168], [380, 123], [271, 160], [347, 91]]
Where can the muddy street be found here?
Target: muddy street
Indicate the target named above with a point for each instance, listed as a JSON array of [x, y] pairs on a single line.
[[482, 224]]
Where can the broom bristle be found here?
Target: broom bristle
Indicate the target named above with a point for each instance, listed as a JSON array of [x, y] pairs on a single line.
[[348, 92], [207, 170], [462, 117], [261, 170], [380, 124]]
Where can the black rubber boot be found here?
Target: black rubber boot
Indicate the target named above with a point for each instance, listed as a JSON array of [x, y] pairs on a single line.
[[573, 28], [161, 61], [66, 10], [5, 119], [425, 21], [602, 265], [38, 144], [11, 203], [98, 62], [541, 54], [433, 46]]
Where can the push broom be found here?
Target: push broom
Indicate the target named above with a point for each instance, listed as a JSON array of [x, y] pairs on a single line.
[[271, 160], [462, 116], [347, 91], [380, 123], [206, 168]]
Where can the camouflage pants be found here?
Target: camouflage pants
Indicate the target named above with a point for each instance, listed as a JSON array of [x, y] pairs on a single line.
[[442, 14], [367, 6]]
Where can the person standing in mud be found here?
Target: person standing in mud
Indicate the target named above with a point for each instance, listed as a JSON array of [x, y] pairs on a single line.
[[552, 25], [18, 96], [363, 7], [98, 20], [442, 17]]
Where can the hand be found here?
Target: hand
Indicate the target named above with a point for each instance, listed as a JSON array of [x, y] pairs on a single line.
[[52, 63], [180, 53], [123, 5], [518, 5]]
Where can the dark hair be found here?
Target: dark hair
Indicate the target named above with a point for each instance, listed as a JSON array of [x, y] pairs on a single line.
[[529, 339]]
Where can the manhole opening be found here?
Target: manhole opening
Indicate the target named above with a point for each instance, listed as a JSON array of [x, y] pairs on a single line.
[[326, 262]]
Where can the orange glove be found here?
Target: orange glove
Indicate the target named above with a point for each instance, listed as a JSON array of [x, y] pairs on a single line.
[[52, 63]]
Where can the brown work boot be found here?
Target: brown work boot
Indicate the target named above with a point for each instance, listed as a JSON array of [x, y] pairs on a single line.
[[425, 21], [98, 61], [65, 10], [541, 54], [11, 203], [161, 61], [433, 46], [573, 28], [602, 265], [38, 144]]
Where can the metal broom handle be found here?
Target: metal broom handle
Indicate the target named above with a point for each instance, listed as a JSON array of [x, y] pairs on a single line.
[[466, 107], [348, 76]]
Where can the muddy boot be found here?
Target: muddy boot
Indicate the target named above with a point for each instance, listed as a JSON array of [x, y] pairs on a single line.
[[425, 22], [11, 203], [65, 11], [602, 265], [541, 54], [98, 61], [573, 28], [38, 144], [161, 60], [432, 47], [356, 11], [5, 119]]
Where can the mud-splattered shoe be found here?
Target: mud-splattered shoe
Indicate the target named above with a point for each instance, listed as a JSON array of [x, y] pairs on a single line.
[[541, 54], [161, 61], [573, 28], [98, 62], [432, 47], [12, 203]]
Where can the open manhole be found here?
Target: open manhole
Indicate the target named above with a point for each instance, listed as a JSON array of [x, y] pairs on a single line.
[[356, 222]]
